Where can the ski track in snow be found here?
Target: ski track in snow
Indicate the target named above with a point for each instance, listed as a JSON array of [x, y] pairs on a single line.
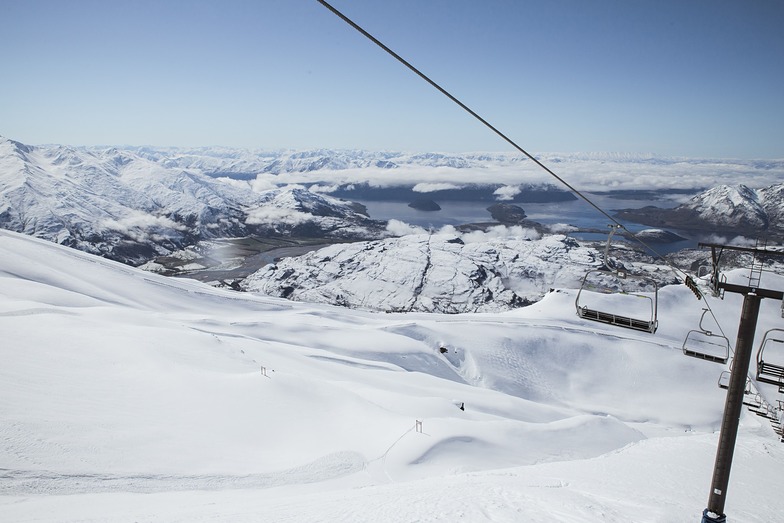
[[24, 482]]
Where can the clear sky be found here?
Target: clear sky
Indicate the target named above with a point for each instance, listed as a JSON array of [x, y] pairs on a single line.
[[699, 78]]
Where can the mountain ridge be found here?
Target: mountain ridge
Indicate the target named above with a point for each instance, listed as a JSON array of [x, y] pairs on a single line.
[[733, 208], [438, 273], [131, 209]]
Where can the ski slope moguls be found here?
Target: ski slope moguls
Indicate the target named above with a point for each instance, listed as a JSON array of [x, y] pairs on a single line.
[[126, 396]]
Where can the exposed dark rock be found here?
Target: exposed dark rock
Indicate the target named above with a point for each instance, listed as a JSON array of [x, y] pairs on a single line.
[[507, 213], [424, 205]]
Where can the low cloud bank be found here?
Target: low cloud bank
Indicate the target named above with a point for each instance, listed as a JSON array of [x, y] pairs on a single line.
[[274, 216], [400, 228], [141, 226], [432, 187], [507, 192], [586, 172]]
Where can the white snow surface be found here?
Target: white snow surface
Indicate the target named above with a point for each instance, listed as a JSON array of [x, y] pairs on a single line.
[[129, 397], [446, 272], [728, 205], [130, 208]]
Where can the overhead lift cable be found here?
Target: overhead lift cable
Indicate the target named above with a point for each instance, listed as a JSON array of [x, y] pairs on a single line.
[[686, 278], [464, 107], [736, 386], [485, 123]]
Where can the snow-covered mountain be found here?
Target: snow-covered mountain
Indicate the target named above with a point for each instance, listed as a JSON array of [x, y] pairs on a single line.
[[726, 206], [731, 208], [129, 208], [127, 396], [239, 163], [446, 272], [772, 201], [136, 203]]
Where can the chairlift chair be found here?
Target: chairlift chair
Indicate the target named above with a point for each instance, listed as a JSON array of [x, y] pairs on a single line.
[[610, 296], [704, 344], [610, 300], [768, 412], [752, 400], [770, 359], [724, 382], [761, 409]]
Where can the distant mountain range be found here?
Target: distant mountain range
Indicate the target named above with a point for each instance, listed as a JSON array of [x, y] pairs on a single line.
[[129, 208], [134, 204]]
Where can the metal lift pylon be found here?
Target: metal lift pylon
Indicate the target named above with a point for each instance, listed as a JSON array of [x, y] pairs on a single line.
[[714, 513]]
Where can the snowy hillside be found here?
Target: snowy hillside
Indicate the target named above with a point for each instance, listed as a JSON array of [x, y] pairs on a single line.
[[126, 396], [134, 204], [732, 208], [128, 208], [448, 272]]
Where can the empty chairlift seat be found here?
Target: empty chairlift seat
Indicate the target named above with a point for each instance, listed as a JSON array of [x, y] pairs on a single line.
[[724, 382], [707, 346], [754, 401], [618, 298], [704, 344], [770, 358]]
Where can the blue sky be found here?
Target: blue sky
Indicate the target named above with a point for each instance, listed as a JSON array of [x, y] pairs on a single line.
[[685, 78]]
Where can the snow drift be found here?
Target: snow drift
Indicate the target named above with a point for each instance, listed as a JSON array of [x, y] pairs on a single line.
[[223, 406]]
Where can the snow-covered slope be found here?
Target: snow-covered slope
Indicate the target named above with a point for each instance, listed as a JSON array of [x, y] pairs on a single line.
[[444, 272], [772, 200], [738, 207], [295, 210], [730, 208], [136, 203], [125, 396], [129, 208]]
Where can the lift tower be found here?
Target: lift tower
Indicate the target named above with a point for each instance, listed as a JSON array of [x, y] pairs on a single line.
[[733, 405]]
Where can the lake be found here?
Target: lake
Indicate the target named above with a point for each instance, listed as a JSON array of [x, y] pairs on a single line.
[[575, 212]]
